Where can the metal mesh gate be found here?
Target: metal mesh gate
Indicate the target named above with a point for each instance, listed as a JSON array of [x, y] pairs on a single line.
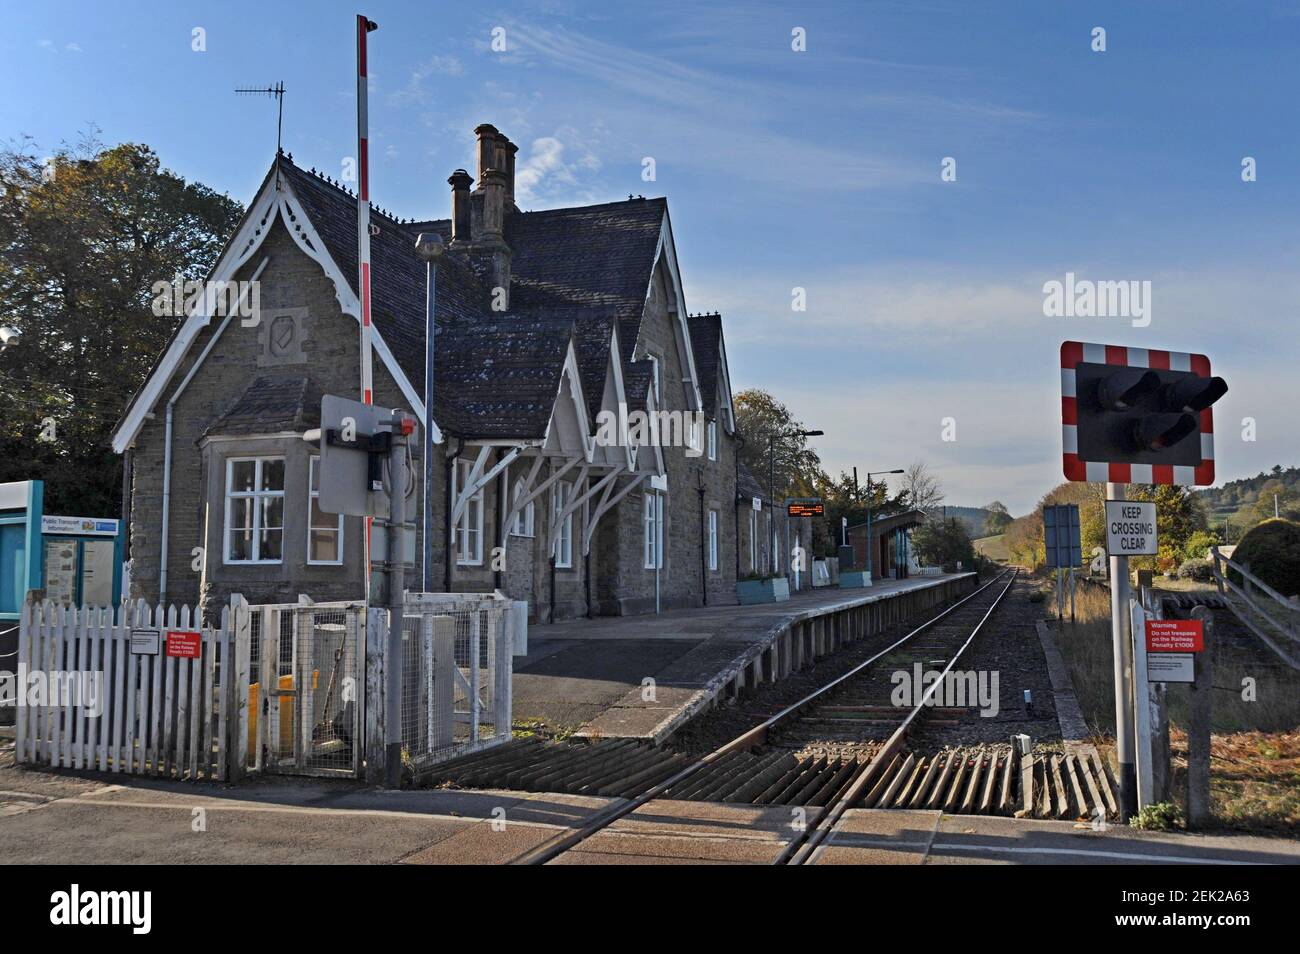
[[305, 699], [456, 675]]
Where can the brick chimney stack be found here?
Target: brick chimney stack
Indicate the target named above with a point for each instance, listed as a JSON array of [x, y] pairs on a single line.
[[460, 205], [493, 199]]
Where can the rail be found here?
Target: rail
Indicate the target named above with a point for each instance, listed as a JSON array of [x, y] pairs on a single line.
[[804, 845], [563, 842]]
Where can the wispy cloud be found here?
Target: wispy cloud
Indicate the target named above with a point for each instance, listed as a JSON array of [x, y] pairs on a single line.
[[417, 89], [547, 170]]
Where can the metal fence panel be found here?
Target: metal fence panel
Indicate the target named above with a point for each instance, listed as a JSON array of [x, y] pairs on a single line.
[[456, 675]]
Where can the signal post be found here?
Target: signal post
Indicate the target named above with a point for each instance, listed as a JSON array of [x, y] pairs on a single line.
[[1134, 416]]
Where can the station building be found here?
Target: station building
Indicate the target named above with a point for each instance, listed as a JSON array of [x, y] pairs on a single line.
[[547, 323]]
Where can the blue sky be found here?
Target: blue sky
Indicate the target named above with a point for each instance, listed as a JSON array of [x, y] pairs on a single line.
[[783, 169]]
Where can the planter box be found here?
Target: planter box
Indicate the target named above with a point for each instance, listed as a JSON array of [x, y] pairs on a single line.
[[854, 579], [763, 591]]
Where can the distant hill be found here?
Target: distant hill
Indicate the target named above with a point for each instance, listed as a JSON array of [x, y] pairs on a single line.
[[973, 517], [995, 547], [1239, 504]]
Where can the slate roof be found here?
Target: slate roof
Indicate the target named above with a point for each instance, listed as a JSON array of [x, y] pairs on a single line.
[[747, 486], [884, 524], [576, 274], [706, 346], [271, 404]]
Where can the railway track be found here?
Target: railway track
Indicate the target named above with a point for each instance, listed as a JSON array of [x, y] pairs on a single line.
[[841, 746]]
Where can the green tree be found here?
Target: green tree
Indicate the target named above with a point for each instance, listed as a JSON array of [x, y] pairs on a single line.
[[998, 519], [1276, 499], [84, 235], [846, 499], [944, 543], [797, 468], [1179, 514]]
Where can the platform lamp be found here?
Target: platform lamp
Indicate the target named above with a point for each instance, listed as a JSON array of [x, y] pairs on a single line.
[[771, 474], [871, 546], [429, 248]]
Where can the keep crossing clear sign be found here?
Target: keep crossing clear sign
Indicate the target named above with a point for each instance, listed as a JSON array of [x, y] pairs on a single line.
[[1130, 528]]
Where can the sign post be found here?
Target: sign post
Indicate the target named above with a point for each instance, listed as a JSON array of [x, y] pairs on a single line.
[[1130, 531], [1063, 547], [1141, 704]]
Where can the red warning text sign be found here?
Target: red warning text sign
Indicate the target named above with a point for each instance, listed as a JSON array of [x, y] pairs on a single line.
[[1175, 636], [183, 644]]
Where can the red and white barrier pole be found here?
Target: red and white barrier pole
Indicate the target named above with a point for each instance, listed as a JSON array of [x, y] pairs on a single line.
[[364, 26]]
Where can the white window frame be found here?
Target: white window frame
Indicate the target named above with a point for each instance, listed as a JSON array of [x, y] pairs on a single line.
[[313, 463], [713, 440], [753, 541], [525, 524], [652, 521], [467, 535], [655, 365], [257, 496], [561, 494], [713, 540]]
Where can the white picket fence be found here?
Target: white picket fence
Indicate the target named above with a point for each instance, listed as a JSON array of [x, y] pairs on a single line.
[[153, 714]]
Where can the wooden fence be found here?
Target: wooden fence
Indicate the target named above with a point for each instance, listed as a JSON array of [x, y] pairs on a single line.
[[102, 702], [1271, 616]]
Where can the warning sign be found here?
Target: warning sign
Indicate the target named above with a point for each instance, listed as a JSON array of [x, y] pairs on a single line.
[[1175, 635], [183, 644], [1130, 528]]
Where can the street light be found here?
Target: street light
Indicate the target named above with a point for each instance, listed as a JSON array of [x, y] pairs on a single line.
[[9, 335], [771, 456], [771, 478], [870, 545], [428, 247]]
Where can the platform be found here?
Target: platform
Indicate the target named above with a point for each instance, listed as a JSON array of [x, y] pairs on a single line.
[[590, 675]]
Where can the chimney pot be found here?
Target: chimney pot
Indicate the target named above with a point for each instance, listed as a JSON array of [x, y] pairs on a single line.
[[460, 205], [487, 149], [509, 169]]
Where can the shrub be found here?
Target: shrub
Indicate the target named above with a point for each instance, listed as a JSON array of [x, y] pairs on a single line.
[[1200, 570], [1271, 551], [1199, 543], [1162, 816]]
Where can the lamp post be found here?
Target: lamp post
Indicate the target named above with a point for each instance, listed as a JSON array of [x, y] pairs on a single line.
[[871, 546], [428, 247], [771, 476]]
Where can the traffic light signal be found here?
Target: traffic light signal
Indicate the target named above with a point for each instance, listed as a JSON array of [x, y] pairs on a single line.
[[1133, 415]]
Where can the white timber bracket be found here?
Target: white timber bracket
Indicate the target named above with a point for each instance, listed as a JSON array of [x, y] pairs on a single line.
[[606, 504], [532, 491], [557, 519], [477, 479]]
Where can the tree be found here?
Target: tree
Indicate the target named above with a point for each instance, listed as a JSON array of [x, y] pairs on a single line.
[[83, 238], [998, 518], [944, 543], [798, 469], [846, 499], [924, 491], [1276, 496], [1179, 514]]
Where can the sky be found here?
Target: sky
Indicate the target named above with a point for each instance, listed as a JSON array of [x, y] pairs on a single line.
[[924, 335]]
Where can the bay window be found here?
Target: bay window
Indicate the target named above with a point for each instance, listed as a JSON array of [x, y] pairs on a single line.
[[254, 524]]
